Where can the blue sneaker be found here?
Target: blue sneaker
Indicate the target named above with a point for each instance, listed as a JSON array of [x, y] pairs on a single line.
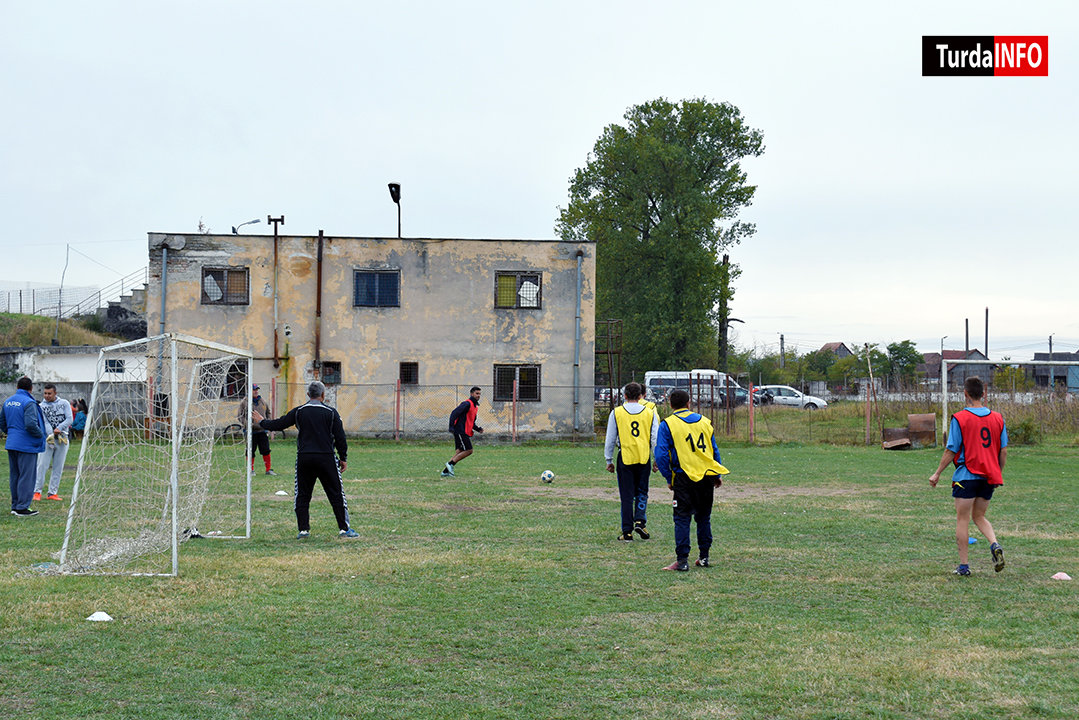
[[961, 570], [350, 533], [448, 472], [303, 535]]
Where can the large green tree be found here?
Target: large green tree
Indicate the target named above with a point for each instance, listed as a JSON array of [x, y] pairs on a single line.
[[660, 197]]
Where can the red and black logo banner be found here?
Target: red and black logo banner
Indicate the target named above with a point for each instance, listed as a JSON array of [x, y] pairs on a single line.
[[985, 55]]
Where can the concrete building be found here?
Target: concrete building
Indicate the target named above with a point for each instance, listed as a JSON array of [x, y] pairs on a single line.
[[375, 312]]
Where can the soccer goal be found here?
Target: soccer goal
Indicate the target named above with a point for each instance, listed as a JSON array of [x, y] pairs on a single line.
[[154, 468]]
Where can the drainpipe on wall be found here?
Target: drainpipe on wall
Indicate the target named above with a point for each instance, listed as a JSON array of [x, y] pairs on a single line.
[[164, 284], [318, 311], [276, 221], [577, 351]]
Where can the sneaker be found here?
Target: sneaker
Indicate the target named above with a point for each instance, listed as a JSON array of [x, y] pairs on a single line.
[[270, 472], [37, 496], [28, 512], [55, 497], [448, 471], [679, 566], [626, 537], [961, 570], [303, 535], [702, 562], [998, 556], [639, 529], [350, 533]]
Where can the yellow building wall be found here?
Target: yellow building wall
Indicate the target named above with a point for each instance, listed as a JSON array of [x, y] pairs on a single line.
[[446, 322]]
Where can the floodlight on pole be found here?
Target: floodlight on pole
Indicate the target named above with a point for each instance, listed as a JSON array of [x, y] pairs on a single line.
[[236, 228], [395, 195]]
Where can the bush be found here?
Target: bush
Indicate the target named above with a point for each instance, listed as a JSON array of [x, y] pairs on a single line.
[[1025, 432]]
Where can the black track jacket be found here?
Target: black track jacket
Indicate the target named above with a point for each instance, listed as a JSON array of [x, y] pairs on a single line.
[[320, 428]]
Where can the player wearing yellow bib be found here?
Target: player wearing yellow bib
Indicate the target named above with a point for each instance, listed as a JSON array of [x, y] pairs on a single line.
[[632, 427], [688, 458]]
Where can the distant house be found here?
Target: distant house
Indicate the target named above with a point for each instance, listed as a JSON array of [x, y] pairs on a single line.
[[957, 374], [1054, 375], [840, 349]]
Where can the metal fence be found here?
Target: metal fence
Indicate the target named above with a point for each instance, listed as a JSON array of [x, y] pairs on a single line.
[[419, 411]]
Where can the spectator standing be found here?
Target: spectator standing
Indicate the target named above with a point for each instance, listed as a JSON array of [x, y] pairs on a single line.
[[25, 427], [58, 420], [260, 439]]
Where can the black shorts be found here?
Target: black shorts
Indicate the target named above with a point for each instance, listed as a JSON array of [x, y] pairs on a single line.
[[973, 488], [462, 442]]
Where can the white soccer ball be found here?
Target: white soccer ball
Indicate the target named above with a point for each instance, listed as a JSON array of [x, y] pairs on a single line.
[[547, 476]]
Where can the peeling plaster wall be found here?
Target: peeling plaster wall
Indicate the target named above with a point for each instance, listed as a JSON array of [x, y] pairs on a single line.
[[446, 322]]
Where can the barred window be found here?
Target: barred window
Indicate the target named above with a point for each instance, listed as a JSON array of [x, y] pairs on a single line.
[[376, 288], [225, 286], [528, 382], [331, 373], [114, 365], [235, 385], [517, 290], [410, 373]]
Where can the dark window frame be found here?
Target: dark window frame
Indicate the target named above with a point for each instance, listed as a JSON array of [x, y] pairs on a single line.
[[235, 385], [379, 300], [330, 372], [527, 390], [409, 373], [227, 298], [520, 276], [114, 365]]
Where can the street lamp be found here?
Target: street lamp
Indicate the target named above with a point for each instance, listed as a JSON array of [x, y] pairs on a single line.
[[236, 228], [395, 195]]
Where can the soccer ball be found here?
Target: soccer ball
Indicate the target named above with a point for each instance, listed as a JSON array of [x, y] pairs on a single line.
[[547, 476]]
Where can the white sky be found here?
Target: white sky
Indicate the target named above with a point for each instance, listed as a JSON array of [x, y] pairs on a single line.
[[889, 206]]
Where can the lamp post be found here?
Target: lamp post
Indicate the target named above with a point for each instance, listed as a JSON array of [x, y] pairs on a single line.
[[235, 228], [941, 374], [395, 195]]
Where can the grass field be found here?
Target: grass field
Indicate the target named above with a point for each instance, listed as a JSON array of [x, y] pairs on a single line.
[[492, 595]]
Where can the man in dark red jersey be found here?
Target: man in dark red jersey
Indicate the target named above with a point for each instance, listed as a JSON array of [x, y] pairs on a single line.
[[978, 445], [462, 423]]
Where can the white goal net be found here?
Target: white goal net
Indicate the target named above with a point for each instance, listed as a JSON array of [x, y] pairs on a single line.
[[159, 462]]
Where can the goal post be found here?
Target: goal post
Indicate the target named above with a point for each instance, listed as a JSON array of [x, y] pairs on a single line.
[[155, 468]]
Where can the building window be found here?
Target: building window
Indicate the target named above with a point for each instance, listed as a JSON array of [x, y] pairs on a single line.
[[376, 288], [527, 377], [517, 290], [410, 373], [225, 286], [114, 365], [235, 385], [331, 373]]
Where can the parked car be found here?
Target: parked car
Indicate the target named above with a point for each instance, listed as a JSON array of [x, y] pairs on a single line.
[[788, 396], [763, 396]]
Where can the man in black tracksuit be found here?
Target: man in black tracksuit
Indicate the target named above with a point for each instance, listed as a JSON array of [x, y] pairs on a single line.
[[320, 432]]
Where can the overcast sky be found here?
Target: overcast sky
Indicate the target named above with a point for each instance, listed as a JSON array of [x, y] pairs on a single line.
[[889, 206]]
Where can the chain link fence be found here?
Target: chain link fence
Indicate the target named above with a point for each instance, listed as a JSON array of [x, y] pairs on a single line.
[[423, 411]]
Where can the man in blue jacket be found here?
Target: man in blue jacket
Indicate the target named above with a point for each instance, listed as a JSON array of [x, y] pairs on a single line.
[[25, 427]]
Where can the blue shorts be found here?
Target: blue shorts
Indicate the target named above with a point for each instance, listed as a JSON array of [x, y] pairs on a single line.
[[973, 488]]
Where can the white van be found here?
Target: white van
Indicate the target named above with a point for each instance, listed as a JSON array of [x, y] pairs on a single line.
[[658, 383]]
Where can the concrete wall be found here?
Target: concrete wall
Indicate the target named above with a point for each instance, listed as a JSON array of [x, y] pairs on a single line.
[[446, 322]]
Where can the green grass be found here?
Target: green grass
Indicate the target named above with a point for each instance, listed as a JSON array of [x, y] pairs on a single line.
[[33, 330], [492, 595]]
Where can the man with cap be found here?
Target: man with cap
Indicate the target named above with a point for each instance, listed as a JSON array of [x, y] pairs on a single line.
[[259, 438]]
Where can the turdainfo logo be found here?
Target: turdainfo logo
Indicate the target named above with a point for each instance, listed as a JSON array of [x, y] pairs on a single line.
[[985, 55]]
